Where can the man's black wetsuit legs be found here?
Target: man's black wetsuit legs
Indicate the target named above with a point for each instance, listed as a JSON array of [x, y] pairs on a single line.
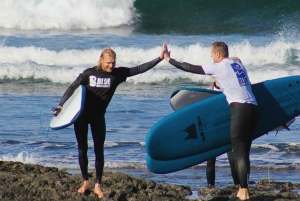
[[98, 129], [244, 118]]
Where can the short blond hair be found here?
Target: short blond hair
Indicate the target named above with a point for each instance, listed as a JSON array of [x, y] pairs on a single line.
[[221, 47]]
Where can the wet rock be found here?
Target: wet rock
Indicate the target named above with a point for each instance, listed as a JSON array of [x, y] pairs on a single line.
[[22, 182], [264, 190], [27, 182]]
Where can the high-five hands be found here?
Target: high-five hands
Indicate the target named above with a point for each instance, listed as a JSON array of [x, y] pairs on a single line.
[[161, 56], [166, 52]]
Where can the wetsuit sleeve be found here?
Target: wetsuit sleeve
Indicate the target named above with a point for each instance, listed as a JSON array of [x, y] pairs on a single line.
[[187, 67], [143, 67], [71, 89]]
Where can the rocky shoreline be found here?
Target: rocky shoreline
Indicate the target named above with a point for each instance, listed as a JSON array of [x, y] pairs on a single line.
[[28, 182]]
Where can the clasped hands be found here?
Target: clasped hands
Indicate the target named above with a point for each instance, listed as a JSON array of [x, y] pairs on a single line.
[[165, 54]]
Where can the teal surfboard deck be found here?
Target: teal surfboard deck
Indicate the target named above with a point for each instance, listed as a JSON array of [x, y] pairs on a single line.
[[203, 127], [71, 110]]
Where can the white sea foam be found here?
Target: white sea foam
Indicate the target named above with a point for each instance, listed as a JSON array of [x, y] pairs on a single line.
[[23, 156], [65, 14], [263, 62], [296, 144], [110, 144], [125, 164], [267, 146]]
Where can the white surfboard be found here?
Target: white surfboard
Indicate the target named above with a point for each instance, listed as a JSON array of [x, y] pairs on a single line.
[[71, 110], [186, 96]]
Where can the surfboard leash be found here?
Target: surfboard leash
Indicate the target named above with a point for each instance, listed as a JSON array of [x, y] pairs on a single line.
[[41, 124]]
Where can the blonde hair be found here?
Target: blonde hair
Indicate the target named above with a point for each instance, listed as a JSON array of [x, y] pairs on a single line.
[[106, 52]]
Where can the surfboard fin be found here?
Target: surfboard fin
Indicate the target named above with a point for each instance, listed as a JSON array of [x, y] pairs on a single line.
[[284, 126]]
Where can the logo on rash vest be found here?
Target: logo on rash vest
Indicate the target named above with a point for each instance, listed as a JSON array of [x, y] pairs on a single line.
[[191, 130], [240, 74], [100, 82]]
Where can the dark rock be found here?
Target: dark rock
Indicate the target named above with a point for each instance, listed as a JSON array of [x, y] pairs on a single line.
[[27, 182], [265, 190]]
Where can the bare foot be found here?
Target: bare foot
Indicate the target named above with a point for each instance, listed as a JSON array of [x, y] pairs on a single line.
[[243, 194], [84, 187], [98, 191], [238, 193]]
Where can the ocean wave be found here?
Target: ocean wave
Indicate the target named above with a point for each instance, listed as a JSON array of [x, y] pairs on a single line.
[[276, 160], [11, 142], [125, 165], [65, 14], [154, 17], [264, 146], [275, 59], [265, 166], [23, 156], [287, 148], [213, 16], [113, 144]]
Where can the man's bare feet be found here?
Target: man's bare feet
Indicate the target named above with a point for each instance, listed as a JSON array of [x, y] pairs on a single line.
[[84, 187], [243, 194], [98, 191], [239, 192]]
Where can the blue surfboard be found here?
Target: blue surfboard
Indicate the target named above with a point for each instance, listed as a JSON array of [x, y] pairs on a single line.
[[203, 127], [183, 97], [71, 110], [162, 167]]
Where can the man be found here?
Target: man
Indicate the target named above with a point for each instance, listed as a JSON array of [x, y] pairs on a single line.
[[233, 80], [100, 82]]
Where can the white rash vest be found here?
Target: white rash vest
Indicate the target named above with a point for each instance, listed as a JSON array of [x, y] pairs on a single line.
[[233, 80]]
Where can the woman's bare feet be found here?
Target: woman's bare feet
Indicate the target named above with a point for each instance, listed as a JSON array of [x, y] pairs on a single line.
[[84, 187], [98, 191]]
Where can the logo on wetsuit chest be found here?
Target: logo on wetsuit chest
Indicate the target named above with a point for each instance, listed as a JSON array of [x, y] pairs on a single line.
[[100, 82]]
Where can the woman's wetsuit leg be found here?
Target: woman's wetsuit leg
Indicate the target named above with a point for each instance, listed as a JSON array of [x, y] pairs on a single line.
[[98, 129], [244, 118], [81, 133]]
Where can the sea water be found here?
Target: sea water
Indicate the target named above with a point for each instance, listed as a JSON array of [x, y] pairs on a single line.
[[45, 45]]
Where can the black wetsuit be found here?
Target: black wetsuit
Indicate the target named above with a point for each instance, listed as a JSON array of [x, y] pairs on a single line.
[[100, 87], [211, 170], [244, 118]]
